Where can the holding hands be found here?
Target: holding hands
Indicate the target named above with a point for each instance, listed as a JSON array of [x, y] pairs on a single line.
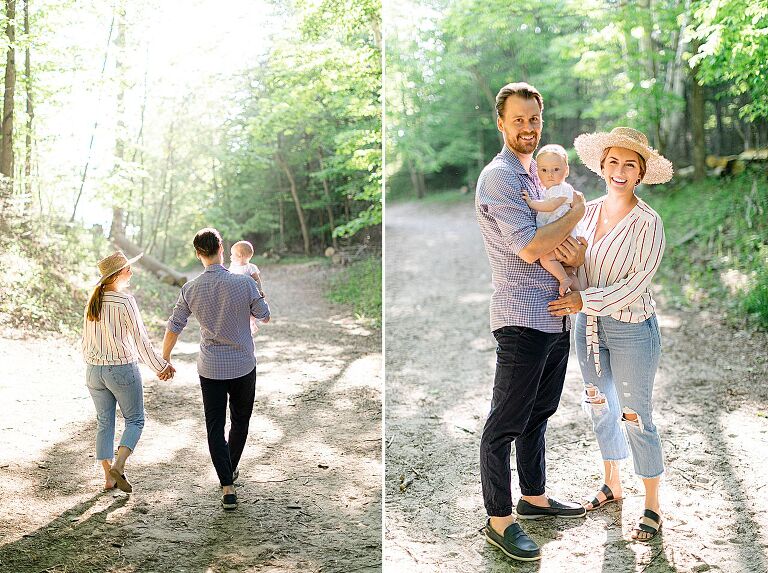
[[167, 373]]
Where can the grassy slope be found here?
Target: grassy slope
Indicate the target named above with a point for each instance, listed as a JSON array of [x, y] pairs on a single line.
[[717, 245], [359, 285]]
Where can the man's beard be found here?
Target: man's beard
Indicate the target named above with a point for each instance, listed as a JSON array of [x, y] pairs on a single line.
[[524, 147]]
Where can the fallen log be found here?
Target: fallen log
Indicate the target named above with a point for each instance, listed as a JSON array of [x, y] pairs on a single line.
[[161, 271]]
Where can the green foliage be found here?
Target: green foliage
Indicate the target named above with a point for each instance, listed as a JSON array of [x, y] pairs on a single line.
[[717, 245], [732, 36], [359, 285], [47, 279], [598, 64]]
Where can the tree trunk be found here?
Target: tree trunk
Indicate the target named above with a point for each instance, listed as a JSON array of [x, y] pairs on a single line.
[[490, 97], [328, 208], [415, 180], [95, 123], [118, 213], [672, 119], [30, 109], [697, 128], [6, 150], [295, 194], [163, 272], [282, 224]]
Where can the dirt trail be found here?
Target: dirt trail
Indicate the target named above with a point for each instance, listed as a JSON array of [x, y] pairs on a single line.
[[310, 477], [711, 399]]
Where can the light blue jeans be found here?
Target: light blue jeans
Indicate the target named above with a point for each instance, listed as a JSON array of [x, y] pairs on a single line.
[[111, 385], [629, 357]]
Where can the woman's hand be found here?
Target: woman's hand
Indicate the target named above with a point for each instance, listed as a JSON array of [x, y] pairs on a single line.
[[167, 373], [568, 304]]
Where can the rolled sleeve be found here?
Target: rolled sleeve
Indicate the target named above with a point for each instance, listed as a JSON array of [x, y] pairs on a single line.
[[502, 199], [180, 315], [259, 306]]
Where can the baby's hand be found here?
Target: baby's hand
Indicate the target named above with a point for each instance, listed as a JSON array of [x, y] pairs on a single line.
[[526, 198]]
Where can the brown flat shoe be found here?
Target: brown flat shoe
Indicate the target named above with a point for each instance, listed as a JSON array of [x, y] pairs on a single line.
[[121, 482]]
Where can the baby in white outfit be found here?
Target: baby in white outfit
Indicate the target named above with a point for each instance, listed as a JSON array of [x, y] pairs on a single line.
[[552, 167]]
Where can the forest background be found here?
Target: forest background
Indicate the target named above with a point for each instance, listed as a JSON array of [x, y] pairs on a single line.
[[135, 124], [692, 75]]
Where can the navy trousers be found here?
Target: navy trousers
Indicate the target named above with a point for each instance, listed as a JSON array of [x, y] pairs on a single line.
[[240, 392], [530, 372]]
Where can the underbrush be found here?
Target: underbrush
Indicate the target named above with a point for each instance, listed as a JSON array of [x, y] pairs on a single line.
[[717, 246], [47, 276], [359, 285]]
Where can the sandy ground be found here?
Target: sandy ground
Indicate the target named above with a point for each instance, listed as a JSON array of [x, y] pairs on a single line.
[[310, 480], [711, 400]]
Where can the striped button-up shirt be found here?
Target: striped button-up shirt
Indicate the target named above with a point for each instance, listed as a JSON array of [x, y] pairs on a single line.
[[119, 336], [222, 303], [521, 290], [618, 269]]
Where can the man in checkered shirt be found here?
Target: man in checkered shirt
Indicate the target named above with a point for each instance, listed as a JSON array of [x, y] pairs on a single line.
[[222, 303], [532, 345]]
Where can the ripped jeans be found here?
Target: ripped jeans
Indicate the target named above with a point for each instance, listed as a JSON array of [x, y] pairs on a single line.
[[629, 357]]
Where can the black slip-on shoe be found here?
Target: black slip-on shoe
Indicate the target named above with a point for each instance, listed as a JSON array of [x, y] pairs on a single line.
[[229, 501], [514, 543], [556, 508]]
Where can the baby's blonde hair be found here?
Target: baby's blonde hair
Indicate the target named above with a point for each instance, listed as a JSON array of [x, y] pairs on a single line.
[[244, 248], [554, 148]]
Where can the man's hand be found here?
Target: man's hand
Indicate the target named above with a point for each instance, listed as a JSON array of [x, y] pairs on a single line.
[[167, 372], [571, 251], [579, 205]]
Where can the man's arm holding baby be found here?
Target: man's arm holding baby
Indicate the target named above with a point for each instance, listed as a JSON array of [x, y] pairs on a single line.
[[550, 236]]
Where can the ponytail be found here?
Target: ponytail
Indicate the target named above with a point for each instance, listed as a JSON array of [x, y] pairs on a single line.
[[93, 310]]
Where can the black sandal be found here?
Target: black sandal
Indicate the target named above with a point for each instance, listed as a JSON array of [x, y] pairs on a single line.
[[649, 523], [597, 504]]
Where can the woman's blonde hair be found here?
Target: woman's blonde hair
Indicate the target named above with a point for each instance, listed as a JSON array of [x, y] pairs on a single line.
[[93, 310], [641, 162]]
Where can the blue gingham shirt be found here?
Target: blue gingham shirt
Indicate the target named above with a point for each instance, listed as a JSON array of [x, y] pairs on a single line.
[[222, 303], [521, 290]]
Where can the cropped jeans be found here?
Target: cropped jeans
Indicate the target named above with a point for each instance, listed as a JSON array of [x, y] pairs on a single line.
[[629, 357], [110, 386]]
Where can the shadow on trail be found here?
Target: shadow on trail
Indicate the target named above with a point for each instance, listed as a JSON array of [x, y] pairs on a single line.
[[309, 487], [440, 363]]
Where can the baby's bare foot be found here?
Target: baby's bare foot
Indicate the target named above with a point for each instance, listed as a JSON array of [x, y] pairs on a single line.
[[565, 284]]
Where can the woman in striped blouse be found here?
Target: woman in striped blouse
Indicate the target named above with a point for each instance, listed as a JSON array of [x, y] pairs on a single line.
[[616, 332], [114, 339]]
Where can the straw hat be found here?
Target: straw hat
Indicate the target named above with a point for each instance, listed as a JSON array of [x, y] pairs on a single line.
[[114, 263], [590, 148]]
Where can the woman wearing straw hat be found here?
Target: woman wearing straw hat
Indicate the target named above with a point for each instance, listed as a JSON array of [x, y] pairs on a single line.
[[617, 336], [114, 339]]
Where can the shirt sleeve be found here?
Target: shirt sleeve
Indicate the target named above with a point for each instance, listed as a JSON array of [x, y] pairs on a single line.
[[501, 197], [181, 312], [259, 306], [139, 332], [605, 301]]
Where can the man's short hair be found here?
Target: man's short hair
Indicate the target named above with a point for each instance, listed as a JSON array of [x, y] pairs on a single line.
[[244, 248], [207, 242], [555, 149], [519, 89]]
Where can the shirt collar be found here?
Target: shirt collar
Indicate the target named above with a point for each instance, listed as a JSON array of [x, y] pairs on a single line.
[[214, 268], [507, 155]]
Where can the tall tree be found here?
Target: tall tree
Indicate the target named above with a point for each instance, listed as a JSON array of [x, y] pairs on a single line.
[[30, 108], [6, 148]]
